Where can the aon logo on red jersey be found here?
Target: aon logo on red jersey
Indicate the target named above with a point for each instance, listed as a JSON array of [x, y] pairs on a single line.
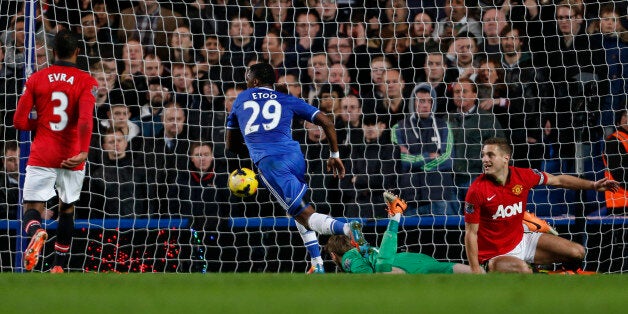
[[510, 210]]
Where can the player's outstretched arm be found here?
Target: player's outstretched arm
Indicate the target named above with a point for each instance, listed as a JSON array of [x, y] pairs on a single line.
[[575, 183], [334, 163], [235, 142]]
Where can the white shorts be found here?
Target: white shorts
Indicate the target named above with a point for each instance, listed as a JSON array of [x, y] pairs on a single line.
[[526, 249], [40, 184]]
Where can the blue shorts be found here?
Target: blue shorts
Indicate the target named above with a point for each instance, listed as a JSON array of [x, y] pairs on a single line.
[[284, 177]]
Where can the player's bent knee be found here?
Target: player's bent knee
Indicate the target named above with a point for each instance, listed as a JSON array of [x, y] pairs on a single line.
[[577, 251], [66, 208]]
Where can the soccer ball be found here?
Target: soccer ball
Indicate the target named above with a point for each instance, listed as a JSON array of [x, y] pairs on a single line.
[[242, 182]]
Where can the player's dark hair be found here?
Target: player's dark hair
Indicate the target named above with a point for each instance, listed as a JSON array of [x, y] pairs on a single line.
[[264, 73], [502, 143], [65, 44]]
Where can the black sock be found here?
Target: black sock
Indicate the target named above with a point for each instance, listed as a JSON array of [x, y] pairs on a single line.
[[60, 258], [65, 229], [31, 221]]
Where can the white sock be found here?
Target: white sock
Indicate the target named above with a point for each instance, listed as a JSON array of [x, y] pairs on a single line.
[[324, 224]]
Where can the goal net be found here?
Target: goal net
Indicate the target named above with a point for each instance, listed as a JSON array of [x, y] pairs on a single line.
[[549, 76]]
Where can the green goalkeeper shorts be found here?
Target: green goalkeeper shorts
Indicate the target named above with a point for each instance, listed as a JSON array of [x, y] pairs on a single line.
[[417, 263]]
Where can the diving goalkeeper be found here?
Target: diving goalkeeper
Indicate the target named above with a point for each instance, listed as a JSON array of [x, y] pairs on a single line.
[[385, 259]]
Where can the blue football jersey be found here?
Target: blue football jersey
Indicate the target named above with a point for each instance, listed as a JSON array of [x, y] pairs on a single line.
[[264, 116]]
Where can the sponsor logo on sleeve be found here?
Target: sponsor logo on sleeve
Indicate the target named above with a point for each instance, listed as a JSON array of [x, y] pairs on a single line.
[[468, 208]]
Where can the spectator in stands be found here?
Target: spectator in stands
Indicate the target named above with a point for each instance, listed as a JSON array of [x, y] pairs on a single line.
[[184, 87], [149, 23], [328, 100], [577, 71], [371, 88], [394, 103], [153, 67], [492, 93], [615, 43], [292, 83], [458, 19], [396, 44], [461, 55], [433, 72], [339, 49], [207, 123], [318, 75], [359, 62], [132, 60], [93, 48], [421, 43], [276, 16], [616, 161], [14, 48], [132, 79], [107, 23], [470, 126], [231, 93], [181, 45], [200, 190], [3, 68], [307, 37], [168, 151], [210, 17], [210, 64], [241, 48], [493, 22], [329, 14], [425, 143], [9, 180], [421, 30], [106, 92], [370, 170], [274, 52], [150, 114], [118, 119], [43, 55], [117, 186], [339, 74], [525, 99], [350, 121]]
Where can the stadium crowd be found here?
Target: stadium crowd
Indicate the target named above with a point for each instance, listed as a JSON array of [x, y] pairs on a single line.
[[414, 88]]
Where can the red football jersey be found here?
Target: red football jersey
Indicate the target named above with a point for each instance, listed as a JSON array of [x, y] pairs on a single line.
[[499, 210], [63, 97]]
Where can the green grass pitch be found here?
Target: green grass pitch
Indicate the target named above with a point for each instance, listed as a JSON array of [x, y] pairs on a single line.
[[300, 294]]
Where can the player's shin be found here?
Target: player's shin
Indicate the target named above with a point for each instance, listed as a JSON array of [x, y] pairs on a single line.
[[311, 244], [64, 238]]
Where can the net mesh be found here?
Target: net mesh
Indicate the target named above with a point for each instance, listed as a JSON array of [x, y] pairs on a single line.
[[550, 76]]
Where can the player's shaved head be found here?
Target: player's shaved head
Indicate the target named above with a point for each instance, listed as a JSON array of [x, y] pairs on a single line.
[[66, 44], [264, 73]]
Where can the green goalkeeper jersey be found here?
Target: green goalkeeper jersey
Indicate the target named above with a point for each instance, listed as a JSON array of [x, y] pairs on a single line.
[[383, 260]]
